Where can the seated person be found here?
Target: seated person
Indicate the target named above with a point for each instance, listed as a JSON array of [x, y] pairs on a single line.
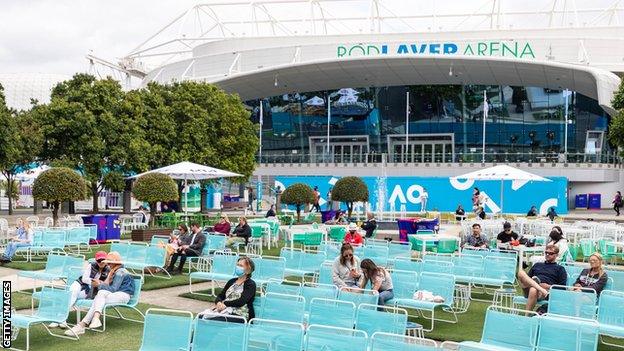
[[380, 280], [237, 297], [537, 282], [480, 212], [270, 212], [339, 218], [346, 271], [118, 288], [23, 238], [81, 288], [532, 212], [353, 237], [190, 245], [460, 213], [476, 239], [551, 214], [593, 277], [223, 226], [370, 225], [504, 238], [241, 233]]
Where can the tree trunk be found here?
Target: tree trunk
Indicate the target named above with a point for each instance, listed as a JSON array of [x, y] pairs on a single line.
[[203, 199], [127, 197], [55, 211], [152, 214], [349, 210], [298, 213], [9, 190], [95, 193]]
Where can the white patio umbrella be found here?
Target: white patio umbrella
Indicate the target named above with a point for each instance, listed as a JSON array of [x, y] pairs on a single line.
[[502, 173], [190, 171]]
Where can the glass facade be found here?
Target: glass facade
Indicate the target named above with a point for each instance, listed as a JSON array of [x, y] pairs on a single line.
[[444, 124]]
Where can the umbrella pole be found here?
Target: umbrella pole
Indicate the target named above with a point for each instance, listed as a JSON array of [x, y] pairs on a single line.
[[501, 195], [185, 197]]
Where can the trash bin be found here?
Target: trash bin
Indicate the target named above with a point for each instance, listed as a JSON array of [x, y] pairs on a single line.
[[593, 201], [113, 227], [406, 226], [327, 215], [100, 222], [580, 201]]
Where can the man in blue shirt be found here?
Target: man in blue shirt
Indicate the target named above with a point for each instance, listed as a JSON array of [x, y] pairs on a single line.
[[536, 284]]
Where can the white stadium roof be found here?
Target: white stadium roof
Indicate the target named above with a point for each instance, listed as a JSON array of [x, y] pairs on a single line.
[[20, 88]]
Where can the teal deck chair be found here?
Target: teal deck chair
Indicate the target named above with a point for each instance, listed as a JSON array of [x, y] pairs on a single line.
[[221, 268], [321, 291], [53, 308], [611, 315], [176, 325], [566, 302], [567, 333], [334, 313], [335, 339], [210, 335], [373, 318], [393, 342], [280, 307], [267, 335]]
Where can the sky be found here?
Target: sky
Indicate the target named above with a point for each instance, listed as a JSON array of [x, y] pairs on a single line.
[[53, 36]]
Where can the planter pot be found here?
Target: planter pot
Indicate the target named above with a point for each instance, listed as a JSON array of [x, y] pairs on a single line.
[[146, 234]]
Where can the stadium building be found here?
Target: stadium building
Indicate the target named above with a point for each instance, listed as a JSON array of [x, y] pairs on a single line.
[[408, 94]]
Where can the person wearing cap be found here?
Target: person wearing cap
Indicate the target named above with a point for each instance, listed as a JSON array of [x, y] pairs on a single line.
[[353, 237], [81, 287], [504, 238], [190, 245], [117, 288]]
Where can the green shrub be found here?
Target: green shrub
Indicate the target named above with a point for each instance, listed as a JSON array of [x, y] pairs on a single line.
[[57, 185], [298, 194], [350, 190], [155, 187]]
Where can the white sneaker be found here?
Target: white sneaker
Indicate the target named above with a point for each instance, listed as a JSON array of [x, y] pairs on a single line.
[[95, 323], [53, 325], [76, 330], [63, 325]]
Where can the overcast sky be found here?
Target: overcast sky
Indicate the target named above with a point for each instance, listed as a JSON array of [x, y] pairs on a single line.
[[53, 36]]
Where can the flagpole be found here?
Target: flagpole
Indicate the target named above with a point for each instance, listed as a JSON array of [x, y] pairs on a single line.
[[565, 128], [328, 122], [485, 110], [406, 125], [260, 137]]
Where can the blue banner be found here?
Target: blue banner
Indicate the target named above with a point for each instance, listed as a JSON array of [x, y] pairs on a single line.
[[445, 194]]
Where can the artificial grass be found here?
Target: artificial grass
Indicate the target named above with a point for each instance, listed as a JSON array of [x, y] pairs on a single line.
[[119, 335], [40, 261]]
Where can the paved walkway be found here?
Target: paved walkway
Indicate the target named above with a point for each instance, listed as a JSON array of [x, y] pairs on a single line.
[[169, 298]]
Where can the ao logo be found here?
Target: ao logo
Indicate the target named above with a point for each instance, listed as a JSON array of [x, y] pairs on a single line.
[[410, 194]]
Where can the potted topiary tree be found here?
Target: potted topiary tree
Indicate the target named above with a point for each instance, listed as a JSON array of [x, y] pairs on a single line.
[[57, 185], [152, 188], [350, 190], [298, 194]]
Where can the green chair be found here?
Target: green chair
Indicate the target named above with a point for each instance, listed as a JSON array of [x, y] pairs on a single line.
[[446, 245], [312, 238], [608, 250], [573, 250], [337, 233], [310, 217], [588, 247]]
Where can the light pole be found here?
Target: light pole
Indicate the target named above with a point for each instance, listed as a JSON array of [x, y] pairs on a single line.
[[485, 114], [407, 111], [566, 94]]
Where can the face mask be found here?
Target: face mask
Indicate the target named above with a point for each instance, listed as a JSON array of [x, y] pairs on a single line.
[[239, 271]]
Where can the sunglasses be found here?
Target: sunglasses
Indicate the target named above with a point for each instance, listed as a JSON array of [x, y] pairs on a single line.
[[349, 255], [100, 261], [550, 253]]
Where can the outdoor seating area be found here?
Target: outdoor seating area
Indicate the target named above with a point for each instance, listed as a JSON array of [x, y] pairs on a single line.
[[296, 292]]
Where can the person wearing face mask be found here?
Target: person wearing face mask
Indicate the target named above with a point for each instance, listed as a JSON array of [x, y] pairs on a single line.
[[346, 270], [556, 238], [237, 297], [593, 277], [81, 288]]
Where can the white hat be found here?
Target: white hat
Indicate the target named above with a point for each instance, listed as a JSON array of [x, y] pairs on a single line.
[[352, 226]]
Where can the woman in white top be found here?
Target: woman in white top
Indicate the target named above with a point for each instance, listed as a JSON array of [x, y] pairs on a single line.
[[380, 280], [346, 272]]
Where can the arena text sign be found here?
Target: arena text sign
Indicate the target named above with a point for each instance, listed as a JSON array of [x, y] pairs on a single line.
[[514, 49]]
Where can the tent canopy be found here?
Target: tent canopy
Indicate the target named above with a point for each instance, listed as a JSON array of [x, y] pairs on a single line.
[[502, 172], [191, 171]]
